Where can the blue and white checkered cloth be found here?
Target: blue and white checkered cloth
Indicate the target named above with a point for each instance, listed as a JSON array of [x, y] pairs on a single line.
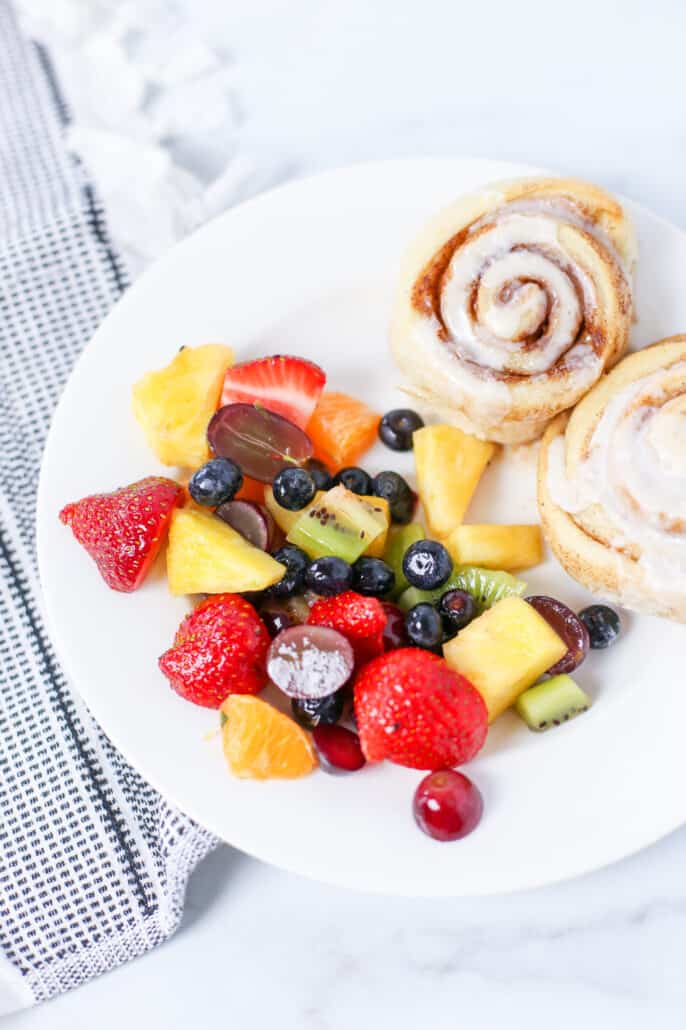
[[93, 862]]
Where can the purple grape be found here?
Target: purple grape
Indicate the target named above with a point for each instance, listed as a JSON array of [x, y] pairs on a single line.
[[309, 661], [275, 619], [394, 634], [260, 442], [248, 519], [278, 614], [568, 627]]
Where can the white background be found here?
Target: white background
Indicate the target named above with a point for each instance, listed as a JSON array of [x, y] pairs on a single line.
[[590, 88]]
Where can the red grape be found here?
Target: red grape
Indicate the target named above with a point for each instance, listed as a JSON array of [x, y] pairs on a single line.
[[309, 661], [338, 748], [260, 442], [447, 805], [568, 627], [250, 520], [394, 634]]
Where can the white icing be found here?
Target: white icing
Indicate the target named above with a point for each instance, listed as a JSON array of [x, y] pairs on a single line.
[[512, 298], [572, 495], [636, 471], [667, 435], [486, 389], [518, 287], [564, 210]]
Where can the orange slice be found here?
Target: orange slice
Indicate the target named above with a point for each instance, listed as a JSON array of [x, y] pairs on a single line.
[[261, 743], [251, 491], [342, 429]]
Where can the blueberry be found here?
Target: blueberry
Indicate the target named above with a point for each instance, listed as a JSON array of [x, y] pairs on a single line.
[[427, 564], [424, 627], [215, 482], [293, 488], [329, 576], [319, 711], [456, 608], [603, 625], [397, 426], [373, 577], [323, 480], [296, 562], [400, 496], [354, 479]]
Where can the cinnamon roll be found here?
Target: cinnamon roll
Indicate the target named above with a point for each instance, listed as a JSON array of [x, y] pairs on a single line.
[[612, 483], [511, 304]]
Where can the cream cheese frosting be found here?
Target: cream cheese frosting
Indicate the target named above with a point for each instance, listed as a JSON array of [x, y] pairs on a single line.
[[635, 469], [512, 302]]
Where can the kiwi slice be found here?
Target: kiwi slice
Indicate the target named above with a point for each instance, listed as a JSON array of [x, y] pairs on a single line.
[[340, 523], [399, 540], [551, 703], [485, 585]]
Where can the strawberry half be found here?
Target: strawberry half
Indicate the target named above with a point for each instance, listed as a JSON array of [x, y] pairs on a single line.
[[286, 385], [220, 648], [414, 710], [123, 531], [361, 619]]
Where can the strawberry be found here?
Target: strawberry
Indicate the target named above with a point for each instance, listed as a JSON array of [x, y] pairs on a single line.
[[123, 531], [361, 619], [220, 648], [412, 709], [286, 385]]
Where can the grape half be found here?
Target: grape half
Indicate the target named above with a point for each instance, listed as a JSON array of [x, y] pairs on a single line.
[[309, 661], [568, 627], [250, 520], [259, 441]]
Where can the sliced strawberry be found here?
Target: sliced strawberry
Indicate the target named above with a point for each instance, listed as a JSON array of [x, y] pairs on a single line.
[[123, 531], [284, 384], [414, 710], [361, 619], [219, 649]]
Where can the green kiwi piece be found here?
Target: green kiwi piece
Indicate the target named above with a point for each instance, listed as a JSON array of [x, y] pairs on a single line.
[[551, 703], [399, 539], [485, 585], [339, 523]]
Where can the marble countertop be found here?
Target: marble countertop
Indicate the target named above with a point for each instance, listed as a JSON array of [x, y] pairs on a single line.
[[594, 90]]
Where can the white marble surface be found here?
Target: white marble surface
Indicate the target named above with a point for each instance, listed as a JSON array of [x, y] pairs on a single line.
[[596, 89]]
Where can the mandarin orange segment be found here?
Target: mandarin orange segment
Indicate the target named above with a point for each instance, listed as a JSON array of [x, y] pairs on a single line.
[[261, 743], [251, 491], [342, 429], [188, 501]]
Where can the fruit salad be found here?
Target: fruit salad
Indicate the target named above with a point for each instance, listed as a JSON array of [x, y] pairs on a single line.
[[392, 629]]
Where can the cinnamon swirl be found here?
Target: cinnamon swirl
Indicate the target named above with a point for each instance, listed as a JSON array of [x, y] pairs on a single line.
[[612, 483], [512, 302]]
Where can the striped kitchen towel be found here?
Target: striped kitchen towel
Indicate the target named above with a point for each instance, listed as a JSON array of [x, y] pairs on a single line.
[[93, 862]]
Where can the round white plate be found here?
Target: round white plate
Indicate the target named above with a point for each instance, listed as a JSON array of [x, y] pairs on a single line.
[[309, 269]]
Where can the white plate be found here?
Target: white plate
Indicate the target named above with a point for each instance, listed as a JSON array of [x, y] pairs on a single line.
[[309, 269]]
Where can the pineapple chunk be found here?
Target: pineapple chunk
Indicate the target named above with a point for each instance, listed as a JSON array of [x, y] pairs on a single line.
[[383, 513], [504, 651], [449, 466], [207, 556], [175, 403], [496, 547]]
